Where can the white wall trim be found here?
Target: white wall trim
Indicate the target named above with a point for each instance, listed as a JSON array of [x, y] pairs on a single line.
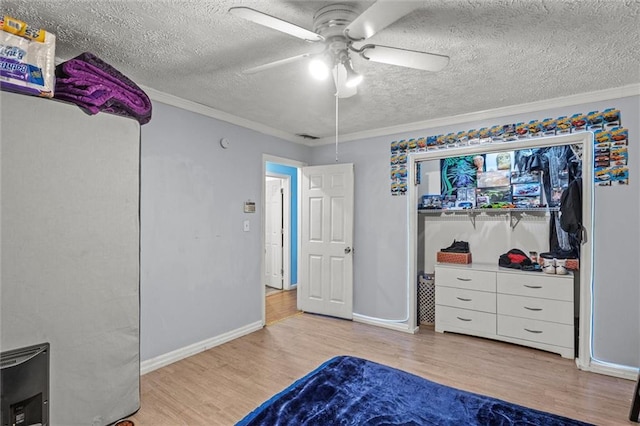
[[165, 98], [398, 326], [195, 348], [287, 162], [281, 160], [581, 98], [620, 371]]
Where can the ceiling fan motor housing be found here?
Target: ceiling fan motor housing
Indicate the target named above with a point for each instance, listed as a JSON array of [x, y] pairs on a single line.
[[330, 22]]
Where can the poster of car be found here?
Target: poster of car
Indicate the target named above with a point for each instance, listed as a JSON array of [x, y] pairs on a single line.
[[494, 178], [526, 190], [493, 197]]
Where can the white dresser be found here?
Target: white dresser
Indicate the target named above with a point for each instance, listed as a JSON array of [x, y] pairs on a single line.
[[528, 308]]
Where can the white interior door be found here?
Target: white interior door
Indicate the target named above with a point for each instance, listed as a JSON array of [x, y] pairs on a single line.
[[274, 269], [325, 284]]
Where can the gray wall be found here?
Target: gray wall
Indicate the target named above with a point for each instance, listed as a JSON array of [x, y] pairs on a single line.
[[200, 273], [380, 264]]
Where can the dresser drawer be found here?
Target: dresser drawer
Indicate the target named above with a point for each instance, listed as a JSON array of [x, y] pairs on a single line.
[[550, 333], [559, 311], [466, 278], [538, 285], [466, 299], [448, 317]]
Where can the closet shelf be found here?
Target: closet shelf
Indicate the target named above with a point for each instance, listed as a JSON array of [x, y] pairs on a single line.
[[513, 214], [481, 210]]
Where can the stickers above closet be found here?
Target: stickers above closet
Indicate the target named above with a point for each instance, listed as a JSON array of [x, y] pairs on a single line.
[[610, 139]]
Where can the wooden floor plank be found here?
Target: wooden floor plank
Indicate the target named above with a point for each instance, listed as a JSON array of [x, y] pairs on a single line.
[[280, 305], [222, 385]]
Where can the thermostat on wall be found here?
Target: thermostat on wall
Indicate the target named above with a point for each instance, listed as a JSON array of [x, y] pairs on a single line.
[[249, 207]]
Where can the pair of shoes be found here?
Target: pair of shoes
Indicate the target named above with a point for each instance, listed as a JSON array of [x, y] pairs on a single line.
[[457, 247], [555, 266]]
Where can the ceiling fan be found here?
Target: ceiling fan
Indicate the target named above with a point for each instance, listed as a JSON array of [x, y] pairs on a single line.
[[336, 27]]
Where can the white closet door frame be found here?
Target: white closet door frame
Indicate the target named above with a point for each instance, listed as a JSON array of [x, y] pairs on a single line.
[[584, 361]]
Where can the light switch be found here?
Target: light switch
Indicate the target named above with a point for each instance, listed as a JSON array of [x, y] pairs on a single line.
[[247, 226]]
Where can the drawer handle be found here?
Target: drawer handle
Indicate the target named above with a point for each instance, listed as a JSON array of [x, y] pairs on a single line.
[[533, 286], [463, 299], [533, 309], [463, 279], [533, 331], [463, 319]]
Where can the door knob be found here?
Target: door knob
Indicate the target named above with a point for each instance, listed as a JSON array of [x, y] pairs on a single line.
[[347, 250]]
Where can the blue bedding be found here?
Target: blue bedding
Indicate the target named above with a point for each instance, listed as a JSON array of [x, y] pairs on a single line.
[[353, 391]]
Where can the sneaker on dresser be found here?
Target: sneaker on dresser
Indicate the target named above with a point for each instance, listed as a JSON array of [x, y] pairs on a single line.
[[549, 266], [457, 247], [561, 266]]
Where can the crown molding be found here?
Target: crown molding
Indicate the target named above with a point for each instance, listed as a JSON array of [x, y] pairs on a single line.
[[178, 102], [581, 98]]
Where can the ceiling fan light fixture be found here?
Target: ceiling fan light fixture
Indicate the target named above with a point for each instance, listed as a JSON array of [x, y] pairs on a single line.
[[319, 69], [353, 78]]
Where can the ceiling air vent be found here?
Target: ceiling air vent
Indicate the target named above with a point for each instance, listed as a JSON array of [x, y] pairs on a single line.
[[305, 136]]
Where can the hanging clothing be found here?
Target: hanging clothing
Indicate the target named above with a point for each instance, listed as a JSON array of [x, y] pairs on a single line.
[[571, 208], [571, 213]]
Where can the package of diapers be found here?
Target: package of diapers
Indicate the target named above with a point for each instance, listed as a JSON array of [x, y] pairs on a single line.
[[27, 58]]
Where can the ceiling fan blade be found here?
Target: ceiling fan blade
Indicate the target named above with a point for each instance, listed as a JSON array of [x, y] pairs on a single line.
[[275, 23], [340, 80], [275, 64], [381, 14], [404, 58]]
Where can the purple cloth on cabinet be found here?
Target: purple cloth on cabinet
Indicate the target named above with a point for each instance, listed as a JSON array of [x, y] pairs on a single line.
[[95, 86]]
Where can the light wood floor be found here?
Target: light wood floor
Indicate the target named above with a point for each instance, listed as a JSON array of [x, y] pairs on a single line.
[[280, 305], [222, 385]]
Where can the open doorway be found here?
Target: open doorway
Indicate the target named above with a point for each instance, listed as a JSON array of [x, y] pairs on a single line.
[[276, 233], [280, 240]]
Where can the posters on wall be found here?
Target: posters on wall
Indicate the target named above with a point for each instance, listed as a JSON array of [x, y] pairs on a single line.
[[611, 141], [509, 179]]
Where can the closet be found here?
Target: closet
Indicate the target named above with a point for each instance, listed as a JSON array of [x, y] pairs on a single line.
[[70, 254], [531, 308]]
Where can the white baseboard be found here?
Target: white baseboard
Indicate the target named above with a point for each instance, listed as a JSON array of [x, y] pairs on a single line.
[[620, 371], [398, 326], [187, 351]]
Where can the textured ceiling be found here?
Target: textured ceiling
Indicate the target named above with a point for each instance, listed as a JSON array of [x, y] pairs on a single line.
[[503, 52]]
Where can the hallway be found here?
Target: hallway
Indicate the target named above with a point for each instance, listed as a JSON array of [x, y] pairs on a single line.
[[280, 305]]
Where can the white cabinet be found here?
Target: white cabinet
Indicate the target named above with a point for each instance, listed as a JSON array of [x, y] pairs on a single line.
[[528, 308], [466, 301]]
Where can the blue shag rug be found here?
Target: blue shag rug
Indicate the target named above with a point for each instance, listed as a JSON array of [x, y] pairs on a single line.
[[353, 391]]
